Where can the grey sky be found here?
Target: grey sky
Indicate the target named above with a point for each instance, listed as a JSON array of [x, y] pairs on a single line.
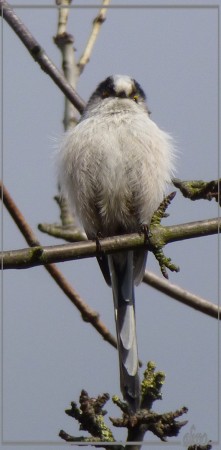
[[49, 353]]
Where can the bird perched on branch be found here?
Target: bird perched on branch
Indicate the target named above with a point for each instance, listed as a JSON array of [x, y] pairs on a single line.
[[115, 166]]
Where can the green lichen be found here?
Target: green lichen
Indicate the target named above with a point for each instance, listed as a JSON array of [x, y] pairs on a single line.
[[151, 385]]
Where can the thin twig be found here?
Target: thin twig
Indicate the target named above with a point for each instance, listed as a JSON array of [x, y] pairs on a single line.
[[87, 313], [64, 41], [182, 295], [96, 26], [69, 234], [39, 55], [199, 189], [63, 14], [39, 255]]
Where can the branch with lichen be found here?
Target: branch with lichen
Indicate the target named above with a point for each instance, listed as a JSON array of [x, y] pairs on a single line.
[[160, 236], [193, 190], [164, 262], [199, 189], [90, 416], [41, 255], [70, 232], [157, 237], [151, 386]]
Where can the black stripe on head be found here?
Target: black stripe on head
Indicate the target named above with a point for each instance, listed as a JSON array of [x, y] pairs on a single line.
[[105, 89], [139, 90]]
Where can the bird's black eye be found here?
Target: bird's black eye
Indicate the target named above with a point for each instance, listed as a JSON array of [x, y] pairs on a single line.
[[135, 98], [105, 94]]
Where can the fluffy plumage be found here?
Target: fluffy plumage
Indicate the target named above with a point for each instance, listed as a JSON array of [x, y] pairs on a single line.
[[115, 166]]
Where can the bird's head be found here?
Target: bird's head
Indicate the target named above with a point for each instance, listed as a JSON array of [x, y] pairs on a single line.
[[117, 90]]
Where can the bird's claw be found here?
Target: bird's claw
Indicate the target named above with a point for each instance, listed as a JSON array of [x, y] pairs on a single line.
[[145, 230]]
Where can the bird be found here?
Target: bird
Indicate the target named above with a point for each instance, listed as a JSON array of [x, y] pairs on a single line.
[[114, 167]]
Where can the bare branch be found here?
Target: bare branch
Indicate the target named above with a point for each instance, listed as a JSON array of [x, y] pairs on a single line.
[[69, 229], [67, 233], [64, 41], [39, 55], [88, 314], [182, 295], [97, 22], [63, 15], [18, 217]]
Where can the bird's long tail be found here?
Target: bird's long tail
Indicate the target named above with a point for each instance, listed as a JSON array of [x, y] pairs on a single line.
[[121, 270]]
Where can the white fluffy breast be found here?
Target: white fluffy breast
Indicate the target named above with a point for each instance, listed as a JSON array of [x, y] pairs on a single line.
[[115, 171]]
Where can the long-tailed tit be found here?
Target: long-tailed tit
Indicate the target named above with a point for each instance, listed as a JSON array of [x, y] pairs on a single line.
[[115, 166]]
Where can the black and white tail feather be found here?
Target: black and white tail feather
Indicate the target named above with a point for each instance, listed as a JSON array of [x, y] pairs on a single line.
[[122, 280]]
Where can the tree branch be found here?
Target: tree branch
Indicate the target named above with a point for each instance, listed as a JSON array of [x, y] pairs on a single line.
[[63, 13], [183, 296], [39, 55], [64, 42], [199, 189], [90, 415], [185, 231], [97, 22], [160, 236], [88, 314]]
